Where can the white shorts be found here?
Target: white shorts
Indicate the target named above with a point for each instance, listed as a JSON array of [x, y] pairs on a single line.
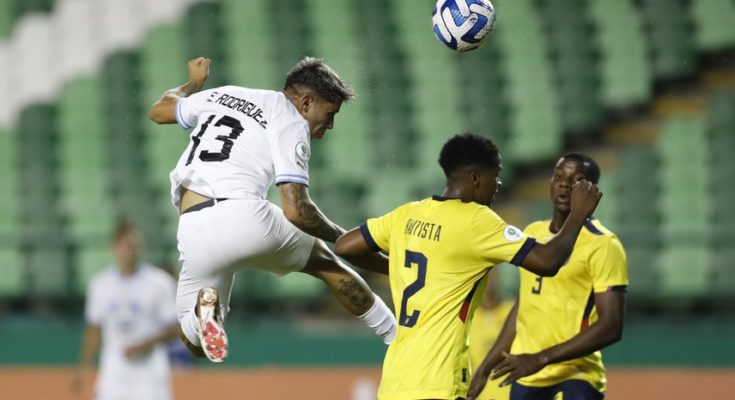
[[217, 241]]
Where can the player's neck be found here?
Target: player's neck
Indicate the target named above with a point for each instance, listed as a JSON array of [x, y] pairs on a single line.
[[128, 269], [454, 192], [557, 220]]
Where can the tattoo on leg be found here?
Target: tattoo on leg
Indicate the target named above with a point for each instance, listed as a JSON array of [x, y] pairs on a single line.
[[354, 291]]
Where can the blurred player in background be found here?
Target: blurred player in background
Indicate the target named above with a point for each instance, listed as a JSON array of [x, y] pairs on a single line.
[[441, 250], [243, 141], [130, 310], [486, 326], [550, 345]]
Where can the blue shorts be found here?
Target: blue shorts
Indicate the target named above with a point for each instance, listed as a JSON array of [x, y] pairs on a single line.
[[567, 390]]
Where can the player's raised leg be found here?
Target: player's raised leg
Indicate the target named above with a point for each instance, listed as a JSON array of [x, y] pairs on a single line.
[[351, 291]]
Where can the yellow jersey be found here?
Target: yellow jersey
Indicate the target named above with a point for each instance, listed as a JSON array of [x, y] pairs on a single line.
[[440, 252], [552, 310], [486, 326]]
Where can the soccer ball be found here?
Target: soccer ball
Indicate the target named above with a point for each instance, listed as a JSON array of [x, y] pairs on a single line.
[[463, 25]]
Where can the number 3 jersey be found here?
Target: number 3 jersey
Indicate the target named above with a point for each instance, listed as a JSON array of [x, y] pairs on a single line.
[[242, 141], [552, 310], [440, 252]]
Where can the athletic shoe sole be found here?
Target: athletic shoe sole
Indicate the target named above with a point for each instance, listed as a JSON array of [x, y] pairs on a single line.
[[212, 336]]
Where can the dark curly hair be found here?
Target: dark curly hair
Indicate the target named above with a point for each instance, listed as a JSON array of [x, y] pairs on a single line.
[[468, 149]]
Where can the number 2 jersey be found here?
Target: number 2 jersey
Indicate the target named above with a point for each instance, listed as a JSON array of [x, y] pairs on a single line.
[[243, 140], [440, 252]]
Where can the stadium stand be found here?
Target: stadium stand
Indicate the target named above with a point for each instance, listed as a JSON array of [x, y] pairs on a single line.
[[625, 72], [531, 94]]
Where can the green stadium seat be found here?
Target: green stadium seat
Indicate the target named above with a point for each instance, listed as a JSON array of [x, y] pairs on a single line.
[[12, 277], [435, 121], [336, 40], [388, 190], [714, 22], [535, 121], [48, 270], [203, 33], [251, 64], [643, 273], [91, 260], [670, 37], [625, 73], [9, 185], [163, 66], [723, 267], [685, 271]]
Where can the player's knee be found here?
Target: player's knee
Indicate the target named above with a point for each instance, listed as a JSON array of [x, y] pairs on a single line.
[[320, 259]]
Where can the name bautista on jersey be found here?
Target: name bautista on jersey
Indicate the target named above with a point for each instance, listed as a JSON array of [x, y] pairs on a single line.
[[423, 229], [244, 106]]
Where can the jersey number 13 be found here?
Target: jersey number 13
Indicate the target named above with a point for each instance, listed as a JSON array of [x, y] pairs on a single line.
[[224, 153]]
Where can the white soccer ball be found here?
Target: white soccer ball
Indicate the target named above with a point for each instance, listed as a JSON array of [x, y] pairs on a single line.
[[463, 25]]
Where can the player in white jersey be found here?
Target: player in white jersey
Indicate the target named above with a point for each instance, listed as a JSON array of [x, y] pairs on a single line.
[[243, 141], [130, 309]]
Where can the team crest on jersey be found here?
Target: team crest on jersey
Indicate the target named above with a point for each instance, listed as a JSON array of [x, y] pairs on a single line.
[[302, 151], [512, 234]]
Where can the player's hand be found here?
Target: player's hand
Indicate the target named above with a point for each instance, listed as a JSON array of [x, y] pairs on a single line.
[[139, 350], [199, 70], [585, 197], [517, 366]]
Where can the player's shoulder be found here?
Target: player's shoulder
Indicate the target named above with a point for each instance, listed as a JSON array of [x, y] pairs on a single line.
[[534, 227], [594, 231]]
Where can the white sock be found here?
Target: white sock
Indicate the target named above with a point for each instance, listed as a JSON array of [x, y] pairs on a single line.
[[190, 327], [381, 320]]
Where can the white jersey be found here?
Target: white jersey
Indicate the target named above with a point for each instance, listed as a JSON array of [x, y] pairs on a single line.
[[243, 141], [128, 310]]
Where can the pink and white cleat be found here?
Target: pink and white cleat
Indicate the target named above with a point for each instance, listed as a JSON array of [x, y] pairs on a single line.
[[212, 336]]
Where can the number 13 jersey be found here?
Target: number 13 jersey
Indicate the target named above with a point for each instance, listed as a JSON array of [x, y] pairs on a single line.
[[440, 252], [242, 141]]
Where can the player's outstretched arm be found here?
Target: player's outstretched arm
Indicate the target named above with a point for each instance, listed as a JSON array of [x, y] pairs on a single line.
[[546, 259], [607, 330], [352, 247], [302, 212], [495, 355], [163, 110]]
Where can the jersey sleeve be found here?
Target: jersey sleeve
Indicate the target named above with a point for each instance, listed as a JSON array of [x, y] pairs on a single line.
[[608, 267], [188, 109], [290, 150], [93, 312], [495, 241], [377, 231]]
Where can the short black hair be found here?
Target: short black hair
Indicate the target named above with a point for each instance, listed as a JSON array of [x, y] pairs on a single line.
[[467, 149], [313, 74], [590, 168]]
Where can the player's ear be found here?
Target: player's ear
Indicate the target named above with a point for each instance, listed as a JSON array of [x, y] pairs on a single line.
[[475, 178], [307, 100]]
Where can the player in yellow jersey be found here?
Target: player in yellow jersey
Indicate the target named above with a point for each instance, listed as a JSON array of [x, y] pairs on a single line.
[[441, 249], [550, 345], [486, 326]]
